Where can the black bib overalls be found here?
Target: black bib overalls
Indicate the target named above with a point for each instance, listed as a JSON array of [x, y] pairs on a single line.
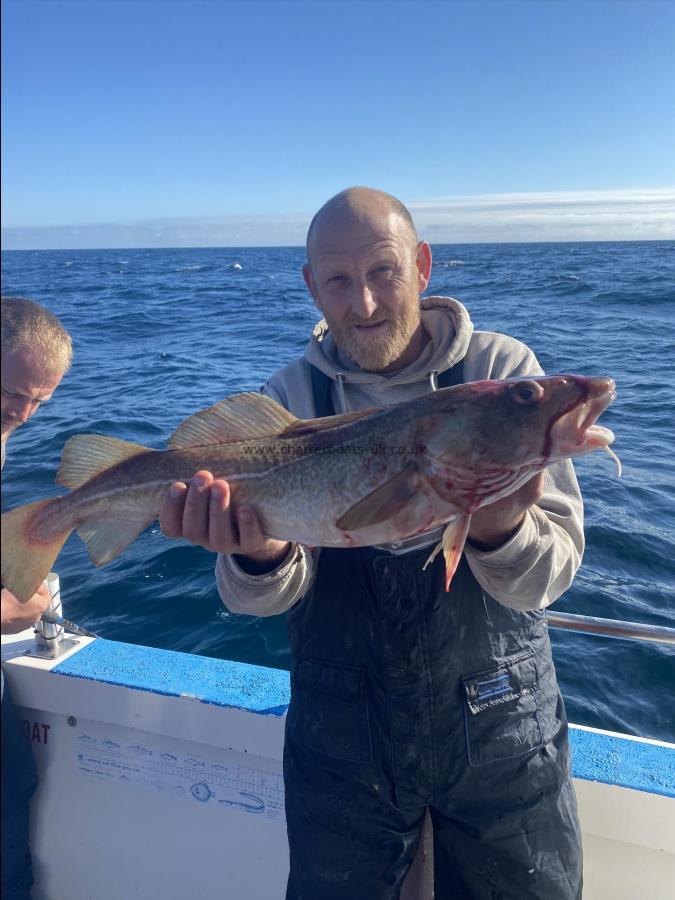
[[405, 697]]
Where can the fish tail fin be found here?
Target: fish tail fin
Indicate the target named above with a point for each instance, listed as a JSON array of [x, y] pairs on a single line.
[[27, 555]]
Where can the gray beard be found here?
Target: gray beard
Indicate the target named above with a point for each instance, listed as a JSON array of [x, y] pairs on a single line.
[[382, 352]]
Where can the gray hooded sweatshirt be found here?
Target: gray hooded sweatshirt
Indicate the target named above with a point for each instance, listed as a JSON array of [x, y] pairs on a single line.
[[529, 571]]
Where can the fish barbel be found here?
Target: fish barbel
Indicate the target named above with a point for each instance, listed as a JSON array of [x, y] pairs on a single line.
[[370, 477]]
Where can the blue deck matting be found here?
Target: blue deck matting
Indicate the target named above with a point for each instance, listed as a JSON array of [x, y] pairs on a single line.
[[596, 757], [622, 761], [218, 681]]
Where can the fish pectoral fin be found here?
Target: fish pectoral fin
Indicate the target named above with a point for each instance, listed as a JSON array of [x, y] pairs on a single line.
[[87, 455], [452, 544], [383, 503], [105, 539], [237, 418]]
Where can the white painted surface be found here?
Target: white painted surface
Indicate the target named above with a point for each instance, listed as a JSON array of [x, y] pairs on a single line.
[[621, 871], [116, 824]]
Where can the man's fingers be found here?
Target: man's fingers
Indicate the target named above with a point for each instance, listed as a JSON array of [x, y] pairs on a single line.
[[196, 512], [171, 510], [251, 537], [222, 534], [201, 513]]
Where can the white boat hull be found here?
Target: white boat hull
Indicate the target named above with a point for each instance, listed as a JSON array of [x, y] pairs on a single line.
[[161, 777]]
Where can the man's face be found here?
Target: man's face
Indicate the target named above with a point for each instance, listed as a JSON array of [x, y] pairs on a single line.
[[26, 383], [365, 275]]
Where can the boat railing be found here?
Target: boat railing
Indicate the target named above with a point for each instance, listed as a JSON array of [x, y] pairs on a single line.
[[614, 628]]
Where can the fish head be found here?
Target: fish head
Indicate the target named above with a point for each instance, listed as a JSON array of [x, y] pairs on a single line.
[[521, 422]]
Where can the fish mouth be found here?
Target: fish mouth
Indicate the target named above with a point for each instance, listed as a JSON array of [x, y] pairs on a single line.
[[575, 431]]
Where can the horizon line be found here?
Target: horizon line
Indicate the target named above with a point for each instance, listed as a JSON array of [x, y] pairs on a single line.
[[302, 246], [525, 217]]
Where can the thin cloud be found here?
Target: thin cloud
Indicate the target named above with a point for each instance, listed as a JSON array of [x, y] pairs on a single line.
[[637, 214], [618, 215]]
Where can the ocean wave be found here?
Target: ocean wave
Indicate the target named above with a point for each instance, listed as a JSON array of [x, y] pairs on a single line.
[[637, 297]]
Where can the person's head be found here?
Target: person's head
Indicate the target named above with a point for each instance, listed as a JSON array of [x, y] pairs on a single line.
[[365, 270], [36, 353]]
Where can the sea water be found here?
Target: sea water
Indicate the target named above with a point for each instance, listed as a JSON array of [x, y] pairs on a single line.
[[159, 334]]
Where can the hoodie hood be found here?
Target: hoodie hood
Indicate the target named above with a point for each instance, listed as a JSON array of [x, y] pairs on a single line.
[[446, 321]]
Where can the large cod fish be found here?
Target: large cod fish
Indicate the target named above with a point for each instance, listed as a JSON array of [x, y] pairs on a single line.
[[368, 477]]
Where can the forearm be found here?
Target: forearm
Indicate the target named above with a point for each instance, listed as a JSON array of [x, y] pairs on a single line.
[[268, 593], [538, 562]]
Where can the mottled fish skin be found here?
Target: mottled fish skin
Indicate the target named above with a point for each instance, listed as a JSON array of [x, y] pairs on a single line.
[[415, 465]]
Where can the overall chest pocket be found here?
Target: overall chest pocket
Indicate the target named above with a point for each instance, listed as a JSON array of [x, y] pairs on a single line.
[[332, 709], [500, 711]]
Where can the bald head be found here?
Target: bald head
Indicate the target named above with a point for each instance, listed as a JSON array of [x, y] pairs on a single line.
[[366, 270], [355, 206]]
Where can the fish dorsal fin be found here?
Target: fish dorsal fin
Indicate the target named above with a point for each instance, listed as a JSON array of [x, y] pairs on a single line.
[[383, 503], [236, 418], [87, 455], [311, 426]]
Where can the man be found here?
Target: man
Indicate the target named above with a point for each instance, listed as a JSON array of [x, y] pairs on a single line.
[[384, 721], [36, 353]]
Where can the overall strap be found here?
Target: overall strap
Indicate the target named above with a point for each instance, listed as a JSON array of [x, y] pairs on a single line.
[[323, 399], [452, 376]]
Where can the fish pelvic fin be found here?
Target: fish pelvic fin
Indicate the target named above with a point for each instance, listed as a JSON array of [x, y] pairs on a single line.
[[237, 418], [452, 544], [105, 539], [26, 558], [383, 503], [87, 455]]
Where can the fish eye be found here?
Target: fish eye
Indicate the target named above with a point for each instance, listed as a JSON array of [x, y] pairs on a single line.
[[527, 393]]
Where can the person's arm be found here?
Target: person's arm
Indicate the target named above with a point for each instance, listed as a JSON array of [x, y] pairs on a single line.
[[536, 563], [255, 576], [524, 549], [270, 593], [17, 616]]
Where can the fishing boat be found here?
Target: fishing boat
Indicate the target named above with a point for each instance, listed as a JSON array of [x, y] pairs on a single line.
[[161, 776]]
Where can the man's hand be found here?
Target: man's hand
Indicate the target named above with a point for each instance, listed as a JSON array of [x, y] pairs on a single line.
[[202, 513], [17, 616], [492, 525]]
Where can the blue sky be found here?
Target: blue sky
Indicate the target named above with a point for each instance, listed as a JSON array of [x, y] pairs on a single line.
[[150, 122]]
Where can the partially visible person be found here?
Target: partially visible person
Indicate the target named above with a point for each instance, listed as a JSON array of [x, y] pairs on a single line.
[[36, 354]]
